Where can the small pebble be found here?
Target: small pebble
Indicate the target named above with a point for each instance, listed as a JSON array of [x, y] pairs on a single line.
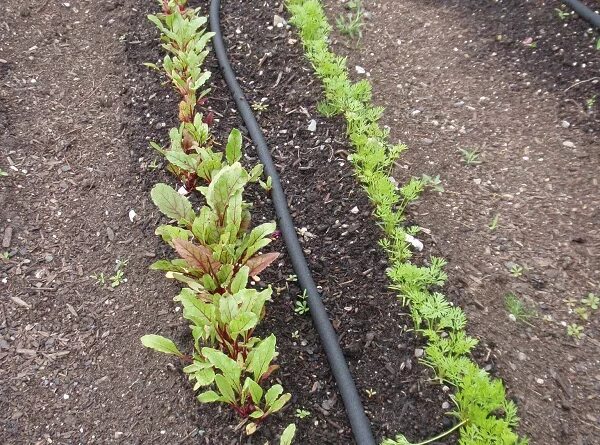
[[419, 352], [569, 144]]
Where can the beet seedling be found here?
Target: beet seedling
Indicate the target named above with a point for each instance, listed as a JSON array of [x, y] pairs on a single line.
[[218, 251]]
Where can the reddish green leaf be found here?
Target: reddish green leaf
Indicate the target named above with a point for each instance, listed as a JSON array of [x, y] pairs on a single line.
[[198, 257], [260, 262]]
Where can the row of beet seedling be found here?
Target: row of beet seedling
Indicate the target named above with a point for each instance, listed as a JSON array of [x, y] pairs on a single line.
[[218, 251]]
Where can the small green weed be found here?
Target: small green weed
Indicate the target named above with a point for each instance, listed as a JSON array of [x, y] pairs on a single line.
[[516, 270], [100, 278], [119, 277], [260, 106], [154, 164], [583, 308], [494, 222], [370, 392], [589, 103], [351, 23], [517, 309], [3, 173], [588, 304], [302, 413], [434, 182], [591, 301], [574, 330], [470, 157], [562, 15], [301, 306], [583, 313]]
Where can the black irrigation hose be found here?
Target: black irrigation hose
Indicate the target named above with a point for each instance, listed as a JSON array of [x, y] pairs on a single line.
[[361, 427], [584, 12]]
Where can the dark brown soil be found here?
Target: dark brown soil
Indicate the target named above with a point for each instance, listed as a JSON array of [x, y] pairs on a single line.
[[450, 83], [77, 110]]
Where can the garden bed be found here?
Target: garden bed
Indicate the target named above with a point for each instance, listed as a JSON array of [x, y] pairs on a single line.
[[75, 144]]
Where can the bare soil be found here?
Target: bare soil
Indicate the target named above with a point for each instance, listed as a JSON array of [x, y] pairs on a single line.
[[466, 74]]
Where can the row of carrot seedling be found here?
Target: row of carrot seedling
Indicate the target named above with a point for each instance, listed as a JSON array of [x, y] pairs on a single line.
[[484, 415], [219, 252]]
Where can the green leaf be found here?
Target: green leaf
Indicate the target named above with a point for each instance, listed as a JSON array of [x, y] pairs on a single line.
[[256, 392], [205, 377], [233, 150], [189, 281], [259, 263], [160, 344], [272, 394], [279, 403], [168, 233], [182, 160], [204, 227], [256, 240], [240, 281], [252, 300], [172, 204], [233, 214], [242, 323], [166, 266], [225, 364], [228, 309], [261, 356], [225, 387], [256, 172], [225, 184], [208, 397], [197, 256], [288, 435]]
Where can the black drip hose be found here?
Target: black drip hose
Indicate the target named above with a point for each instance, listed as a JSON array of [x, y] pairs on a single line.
[[584, 12], [361, 427]]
